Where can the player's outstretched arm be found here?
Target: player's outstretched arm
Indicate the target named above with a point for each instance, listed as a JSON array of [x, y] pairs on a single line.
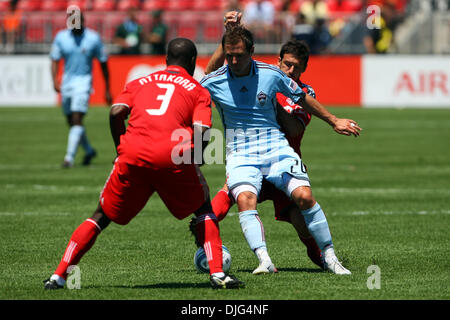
[[289, 122], [216, 60], [117, 116], [342, 126], [230, 19], [201, 140]]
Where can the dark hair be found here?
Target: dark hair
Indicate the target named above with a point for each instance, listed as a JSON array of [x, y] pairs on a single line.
[[236, 34], [181, 50], [297, 48]]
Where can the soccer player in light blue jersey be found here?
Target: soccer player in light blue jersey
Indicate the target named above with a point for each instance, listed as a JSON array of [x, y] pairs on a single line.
[[77, 47], [244, 92]]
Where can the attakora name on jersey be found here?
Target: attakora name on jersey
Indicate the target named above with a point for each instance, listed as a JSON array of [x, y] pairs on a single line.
[[173, 78]]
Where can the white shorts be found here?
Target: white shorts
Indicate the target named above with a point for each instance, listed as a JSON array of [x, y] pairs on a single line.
[[77, 102], [277, 168]]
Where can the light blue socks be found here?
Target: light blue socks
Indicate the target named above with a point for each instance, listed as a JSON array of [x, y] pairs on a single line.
[[75, 134], [253, 229], [317, 225]]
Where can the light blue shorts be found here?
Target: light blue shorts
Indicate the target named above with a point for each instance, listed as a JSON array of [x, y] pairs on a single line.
[[76, 102], [277, 167]]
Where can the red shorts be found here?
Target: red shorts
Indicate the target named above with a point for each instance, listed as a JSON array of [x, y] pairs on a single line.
[[128, 188], [281, 202]]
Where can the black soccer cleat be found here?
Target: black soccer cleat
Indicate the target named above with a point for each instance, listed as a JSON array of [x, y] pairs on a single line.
[[193, 230], [51, 285], [226, 282], [88, 158]]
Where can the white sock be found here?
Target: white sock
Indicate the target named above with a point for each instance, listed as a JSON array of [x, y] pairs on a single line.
[[263, 255], [75, 134], [59, 280], [328, 251], [219, 274]]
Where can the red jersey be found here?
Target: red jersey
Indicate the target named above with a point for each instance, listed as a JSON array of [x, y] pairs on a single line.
[[299, 112], [159, 104]]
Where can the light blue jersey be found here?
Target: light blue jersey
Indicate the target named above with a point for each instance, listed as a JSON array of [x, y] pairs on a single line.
[[78, 51], [247, 106], [250, 101]]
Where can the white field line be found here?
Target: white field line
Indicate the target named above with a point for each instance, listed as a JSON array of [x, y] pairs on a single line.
[[28, 166], [387, 213], [376, 212], [374, 191], [235, 214], [53, 188], [379, 191], [36, 213]]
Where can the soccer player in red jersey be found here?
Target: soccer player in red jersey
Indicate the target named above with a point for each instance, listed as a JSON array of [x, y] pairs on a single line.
[[162, 108]]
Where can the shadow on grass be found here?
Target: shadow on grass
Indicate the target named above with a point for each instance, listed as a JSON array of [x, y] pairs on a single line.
[[168, 285], [308, 270]]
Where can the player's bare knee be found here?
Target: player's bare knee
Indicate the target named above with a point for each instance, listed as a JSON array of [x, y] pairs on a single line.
[[100, 218], [246, 201], [77, 119], [303, 197]]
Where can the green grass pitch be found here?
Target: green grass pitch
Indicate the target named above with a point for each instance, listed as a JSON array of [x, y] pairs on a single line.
[[386, 195]]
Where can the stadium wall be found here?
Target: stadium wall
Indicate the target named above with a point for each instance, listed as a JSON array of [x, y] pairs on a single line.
[[360, 81]]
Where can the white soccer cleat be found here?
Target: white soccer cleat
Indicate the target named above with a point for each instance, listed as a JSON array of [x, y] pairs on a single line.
[[331, 263], [265, 267]]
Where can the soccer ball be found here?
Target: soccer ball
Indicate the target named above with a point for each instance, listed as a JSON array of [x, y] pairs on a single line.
[[201, 262]]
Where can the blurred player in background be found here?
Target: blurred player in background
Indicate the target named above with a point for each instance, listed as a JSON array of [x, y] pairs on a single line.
[[77, 46], [244, 173], [157, 36], [159, 105], [129, 34]]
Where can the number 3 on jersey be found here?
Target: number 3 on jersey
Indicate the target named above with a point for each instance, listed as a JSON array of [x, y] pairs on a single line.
[[165, 98]]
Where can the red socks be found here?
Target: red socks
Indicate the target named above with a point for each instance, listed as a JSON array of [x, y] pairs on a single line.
[[313, 251], [207, 229], [221, 203], [81, 241]]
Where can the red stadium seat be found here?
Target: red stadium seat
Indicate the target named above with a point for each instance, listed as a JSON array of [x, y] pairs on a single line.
[[4, 6], [54, 5], [104, 5], [82, 4], [109, 26], [29, 5], [212, 27], [95, 22], [346, 6], [127, 4], [180, 5], [188, 26], [35, 31], [295, 6], [150, 5], [58, 22], [208, 5]]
